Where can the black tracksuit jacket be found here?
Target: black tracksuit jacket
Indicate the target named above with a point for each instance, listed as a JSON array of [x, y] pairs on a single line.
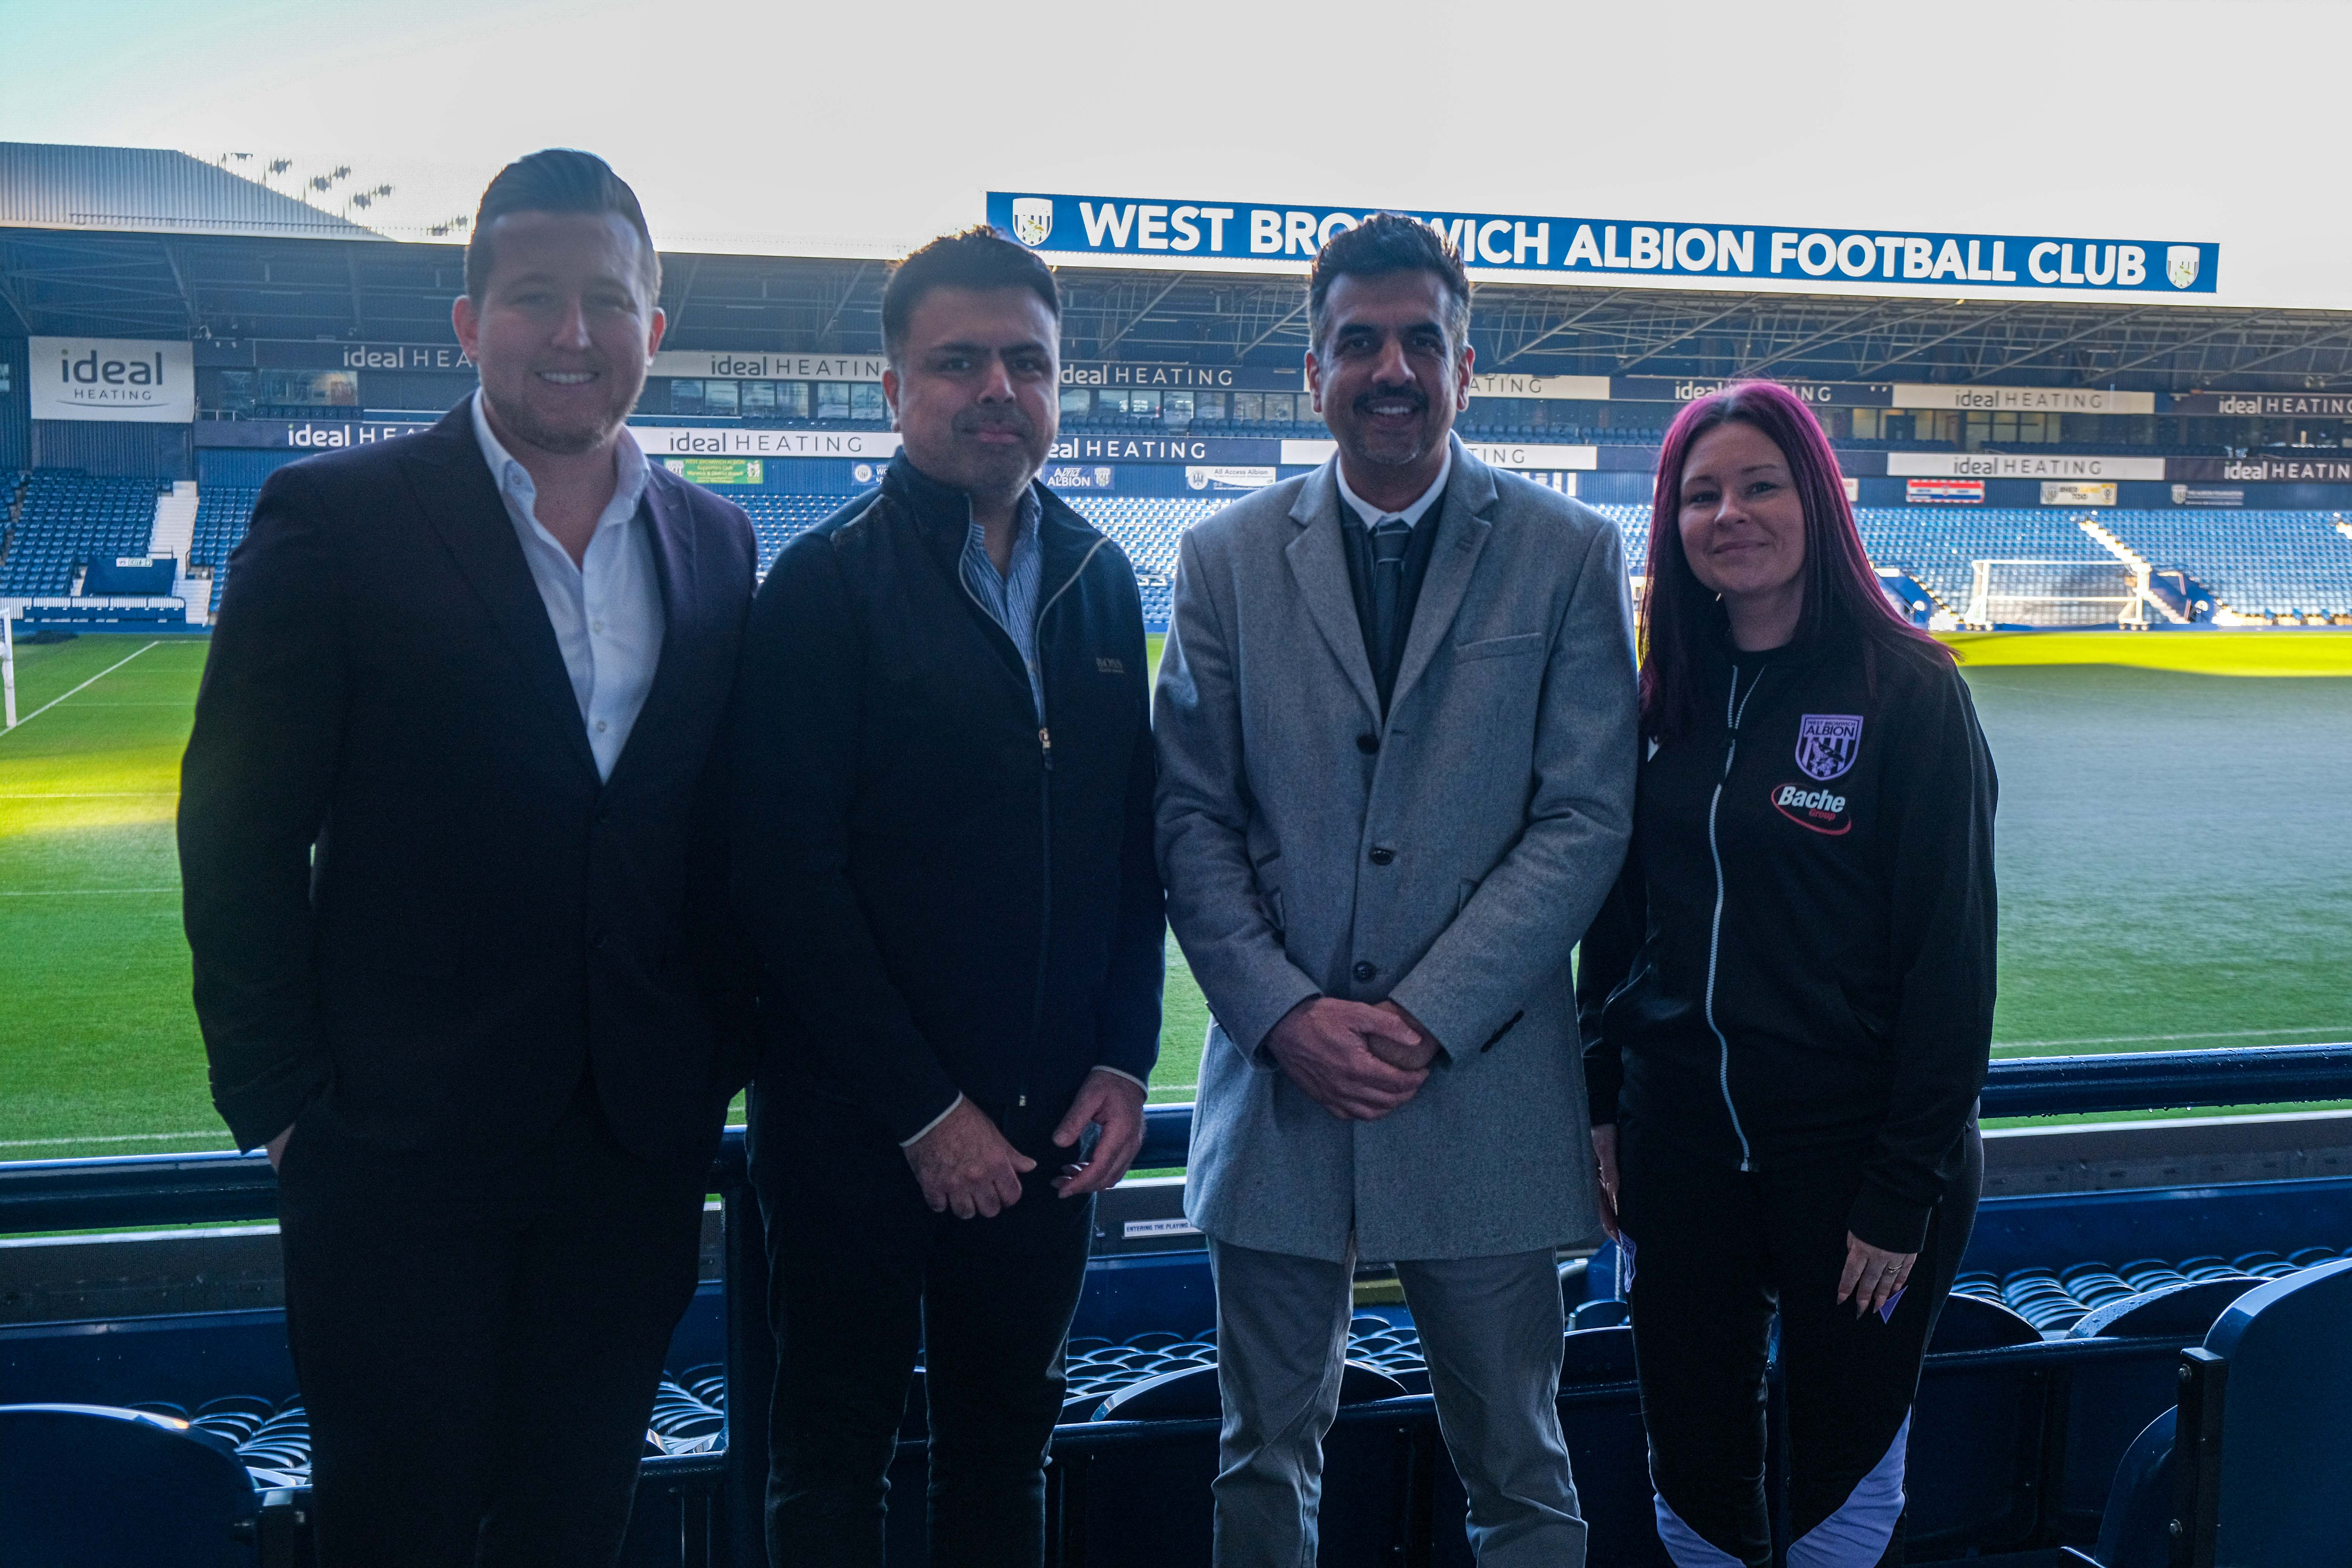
[[947, 894], [1797, 961]]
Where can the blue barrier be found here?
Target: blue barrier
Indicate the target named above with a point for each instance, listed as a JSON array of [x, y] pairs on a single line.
[[226, 1188]]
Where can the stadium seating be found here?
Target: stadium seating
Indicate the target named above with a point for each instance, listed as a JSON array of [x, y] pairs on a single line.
[[68, 518], [2270, 563], [2249, 1465], [778, 518]]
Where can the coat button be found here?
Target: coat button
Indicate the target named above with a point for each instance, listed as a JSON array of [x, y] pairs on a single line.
[[1383, 857], [1364, 971], [1368, 745]]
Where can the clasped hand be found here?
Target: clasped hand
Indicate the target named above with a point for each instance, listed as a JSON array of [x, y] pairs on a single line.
[[1357, 1062], [967, 1167]]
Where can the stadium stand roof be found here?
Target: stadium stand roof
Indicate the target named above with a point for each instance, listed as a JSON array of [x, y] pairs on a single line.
[[135, 242], [148, 190]]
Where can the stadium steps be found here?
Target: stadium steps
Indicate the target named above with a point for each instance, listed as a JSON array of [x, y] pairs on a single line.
[[2108, 541], [173, 535]]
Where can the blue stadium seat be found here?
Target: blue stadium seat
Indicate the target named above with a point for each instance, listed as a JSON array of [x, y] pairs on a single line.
[[71, 518], [2251, 1464], [94, 1487]]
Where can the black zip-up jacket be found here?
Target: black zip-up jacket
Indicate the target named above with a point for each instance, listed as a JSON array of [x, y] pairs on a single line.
[[948, 895], [1797, 961]]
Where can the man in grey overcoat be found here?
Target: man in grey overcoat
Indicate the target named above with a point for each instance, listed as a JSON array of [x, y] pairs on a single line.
[[1395, 723]]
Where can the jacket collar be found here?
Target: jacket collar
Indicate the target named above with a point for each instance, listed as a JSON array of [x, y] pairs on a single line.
[[1318, 561], [943, 513]]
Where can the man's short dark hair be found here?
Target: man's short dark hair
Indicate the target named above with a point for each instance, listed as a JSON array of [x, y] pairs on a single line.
[[1386, 243], [559, 180], [975, 257]]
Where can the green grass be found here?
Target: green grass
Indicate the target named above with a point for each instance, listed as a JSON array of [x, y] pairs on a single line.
[[2176, 868]]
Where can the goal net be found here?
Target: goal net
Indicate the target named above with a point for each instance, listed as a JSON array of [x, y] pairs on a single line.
[[2055, 594]]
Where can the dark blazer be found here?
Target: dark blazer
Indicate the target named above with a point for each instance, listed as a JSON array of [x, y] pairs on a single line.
[[947, 894], [409, 898]]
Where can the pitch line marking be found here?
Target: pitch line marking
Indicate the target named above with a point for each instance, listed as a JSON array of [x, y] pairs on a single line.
[[2139, 1039], [112, 1138], [75, 892], [85, 686]]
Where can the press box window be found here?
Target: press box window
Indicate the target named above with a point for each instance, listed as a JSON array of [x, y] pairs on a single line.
[[833, 400], [1249, 406], [792, 399], [1278, 407], [867, 402], [686, 397], [1143, 405], [1208, 405], [312, 388], [757, 400], [720, 397], [1075, 402], [1176, 407]]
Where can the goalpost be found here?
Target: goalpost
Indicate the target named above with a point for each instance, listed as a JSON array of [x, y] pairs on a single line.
[[8, 666], [2021, 592]]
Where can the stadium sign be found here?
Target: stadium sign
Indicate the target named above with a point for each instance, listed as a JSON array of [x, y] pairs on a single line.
[[1205, 377], [1557, 248], [713, 441], [1255, 477], [301, 434], [1943, 492], [2265, 469], [2021, 399], [1584, 388], [1080, 477], [728, 364], [2070, 492], [2267, 405], [111, 378], [1494, 454], [2019, 466]]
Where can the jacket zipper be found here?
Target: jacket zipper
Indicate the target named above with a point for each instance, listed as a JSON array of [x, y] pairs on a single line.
[[1044, 806], [1734, 710]]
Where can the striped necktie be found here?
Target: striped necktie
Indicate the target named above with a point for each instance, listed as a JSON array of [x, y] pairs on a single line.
[[1389, 541]]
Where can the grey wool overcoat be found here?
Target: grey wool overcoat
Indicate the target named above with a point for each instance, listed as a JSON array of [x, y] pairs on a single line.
[[1449, 859]]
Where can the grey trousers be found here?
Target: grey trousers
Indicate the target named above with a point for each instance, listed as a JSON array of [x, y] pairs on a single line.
[[1490, 1328]]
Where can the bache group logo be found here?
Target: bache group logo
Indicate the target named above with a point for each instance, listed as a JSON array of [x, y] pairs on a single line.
[[1827, 744]]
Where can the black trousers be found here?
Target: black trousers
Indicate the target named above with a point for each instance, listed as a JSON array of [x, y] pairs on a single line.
[[864, 1277], [478, 1341], [1716, 1253]]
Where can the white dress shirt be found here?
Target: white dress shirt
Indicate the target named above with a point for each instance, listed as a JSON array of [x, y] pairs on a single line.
[[1372, 516], [606, 610]]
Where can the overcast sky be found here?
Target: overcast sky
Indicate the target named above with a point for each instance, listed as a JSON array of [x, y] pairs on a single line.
[[861, 129]]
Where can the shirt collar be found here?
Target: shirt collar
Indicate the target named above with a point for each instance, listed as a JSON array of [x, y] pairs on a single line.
[[1370, 514], [1025, 520], [634, 473]]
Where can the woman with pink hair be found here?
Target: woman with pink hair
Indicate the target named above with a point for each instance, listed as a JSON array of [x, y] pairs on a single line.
[[1787, 1000]]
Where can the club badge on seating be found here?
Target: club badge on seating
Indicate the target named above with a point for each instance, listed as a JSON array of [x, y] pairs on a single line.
[[1827, 744]]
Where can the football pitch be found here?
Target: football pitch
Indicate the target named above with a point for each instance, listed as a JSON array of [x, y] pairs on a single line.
[[2175, 862]]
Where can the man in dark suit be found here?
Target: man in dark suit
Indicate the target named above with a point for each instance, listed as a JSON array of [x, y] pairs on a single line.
[[451, 830]]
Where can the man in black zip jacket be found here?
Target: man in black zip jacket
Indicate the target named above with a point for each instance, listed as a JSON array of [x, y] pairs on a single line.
[[944, 815]]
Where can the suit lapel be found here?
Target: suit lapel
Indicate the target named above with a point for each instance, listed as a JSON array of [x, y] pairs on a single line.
[[462, 502], [1462, 533], [1318, 561]]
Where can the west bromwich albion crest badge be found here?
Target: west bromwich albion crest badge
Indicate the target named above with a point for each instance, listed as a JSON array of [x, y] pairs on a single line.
[[1827, 743], [1032, 219]]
